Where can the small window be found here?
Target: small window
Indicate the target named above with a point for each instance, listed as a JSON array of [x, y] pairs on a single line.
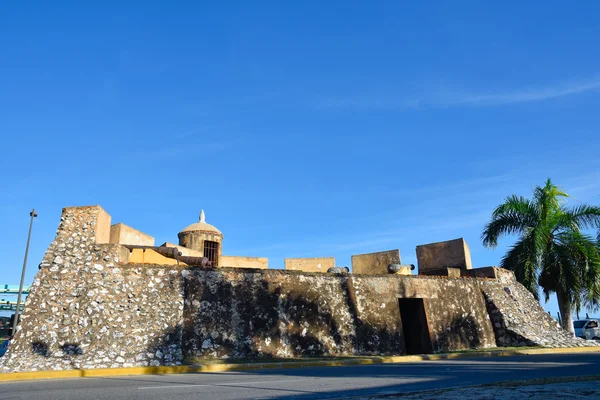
[[211, 251], [592, 324]]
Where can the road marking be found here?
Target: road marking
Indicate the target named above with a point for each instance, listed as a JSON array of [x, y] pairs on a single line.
[[183, 385]]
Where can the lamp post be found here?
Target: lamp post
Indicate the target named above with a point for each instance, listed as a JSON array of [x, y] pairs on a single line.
[[32, 214]]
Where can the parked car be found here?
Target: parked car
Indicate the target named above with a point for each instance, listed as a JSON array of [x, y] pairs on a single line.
[[4, 347], [587, 329]]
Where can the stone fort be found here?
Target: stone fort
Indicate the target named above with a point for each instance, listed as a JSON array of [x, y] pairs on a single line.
[[105, 296]]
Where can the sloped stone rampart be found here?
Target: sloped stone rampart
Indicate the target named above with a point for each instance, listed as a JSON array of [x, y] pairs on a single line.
[[519, 320], [88, 310]]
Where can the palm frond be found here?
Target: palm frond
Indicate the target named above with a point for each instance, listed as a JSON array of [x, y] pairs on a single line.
[[514, 216], [583, 216], [521, 259]]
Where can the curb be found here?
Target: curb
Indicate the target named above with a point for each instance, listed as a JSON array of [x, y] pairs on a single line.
[[183, 369]]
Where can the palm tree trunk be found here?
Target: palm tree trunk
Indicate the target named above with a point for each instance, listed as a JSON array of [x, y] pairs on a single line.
[[566, 313]]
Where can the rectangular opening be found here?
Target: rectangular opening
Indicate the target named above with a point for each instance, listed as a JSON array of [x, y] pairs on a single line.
[[211, 251], [414, 326]]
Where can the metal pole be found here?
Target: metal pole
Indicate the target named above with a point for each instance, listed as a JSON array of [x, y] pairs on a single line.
[[32, 214]]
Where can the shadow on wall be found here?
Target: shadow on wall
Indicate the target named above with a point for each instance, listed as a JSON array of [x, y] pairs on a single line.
[[260, 319], [370, 340], [504, 337], [463, 333], [164, 349]]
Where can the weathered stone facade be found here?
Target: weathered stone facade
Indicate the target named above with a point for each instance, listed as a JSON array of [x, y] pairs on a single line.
[[86, 309], [90, 308]]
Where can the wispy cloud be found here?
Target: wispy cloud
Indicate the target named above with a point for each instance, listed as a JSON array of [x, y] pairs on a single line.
[[528, 94], [443, 97]]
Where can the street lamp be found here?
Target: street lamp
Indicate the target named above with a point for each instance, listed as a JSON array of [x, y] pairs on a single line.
[[32, 214]]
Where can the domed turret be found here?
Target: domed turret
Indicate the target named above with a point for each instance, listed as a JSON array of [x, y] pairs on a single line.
[[204, 238]]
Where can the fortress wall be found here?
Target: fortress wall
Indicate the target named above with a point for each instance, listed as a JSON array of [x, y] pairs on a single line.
[[138, 315], [276, 313], [311, 264], [245, 313], [375, 263], [519, 320], [455, 310], [89, 308], [100, 317], [244, 262], [125, 234]]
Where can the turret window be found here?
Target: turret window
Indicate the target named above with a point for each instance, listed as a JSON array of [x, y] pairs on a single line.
[[211, 251]]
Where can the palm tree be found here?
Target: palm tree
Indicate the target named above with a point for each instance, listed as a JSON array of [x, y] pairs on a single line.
[[552, 250]]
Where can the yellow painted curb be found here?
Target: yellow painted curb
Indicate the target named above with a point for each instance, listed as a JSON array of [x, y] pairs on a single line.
[[163, 370]]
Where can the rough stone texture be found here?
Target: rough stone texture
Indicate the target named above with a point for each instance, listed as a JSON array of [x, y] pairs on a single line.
[[315, 264], [375, 263], [278, 313], [235, 313], [450, 254], [124, 234], [455, 311], [519, 320], [244, 262], [91, 308], [85, 310]]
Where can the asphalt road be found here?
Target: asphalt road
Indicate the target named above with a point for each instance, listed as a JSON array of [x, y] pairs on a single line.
[[309, 383]]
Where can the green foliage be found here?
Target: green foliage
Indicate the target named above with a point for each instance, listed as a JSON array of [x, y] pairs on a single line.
[[552, 250]]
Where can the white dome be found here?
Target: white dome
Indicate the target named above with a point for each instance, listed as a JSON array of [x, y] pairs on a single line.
[[201, 226]]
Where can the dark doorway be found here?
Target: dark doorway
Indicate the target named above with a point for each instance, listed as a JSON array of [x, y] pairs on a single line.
[[414, 325]]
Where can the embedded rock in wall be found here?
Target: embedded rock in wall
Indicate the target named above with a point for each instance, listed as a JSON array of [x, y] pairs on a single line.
[[104, 317], [454, 309], [86, 310], [280, 313], [90, 308], [232, 313], [519, 320]]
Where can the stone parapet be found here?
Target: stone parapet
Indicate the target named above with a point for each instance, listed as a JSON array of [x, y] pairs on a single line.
[[124, 234], [314, 264], [437, 256], [375, 263]]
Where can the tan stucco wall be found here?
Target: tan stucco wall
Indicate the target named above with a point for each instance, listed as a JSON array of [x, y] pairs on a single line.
[[149, 256], [244, 262], [450, 254], [315, 264], [124, 234], [374, 263], [102, 225], [194, 240], [184, 250]]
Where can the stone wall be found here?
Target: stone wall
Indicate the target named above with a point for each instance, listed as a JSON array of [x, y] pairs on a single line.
[[519, 320], [375, 263], [88, 310], [277, 313], [124, 234], [449, 254], [314, 264], [236, 313], [90, 307], [244, 262]]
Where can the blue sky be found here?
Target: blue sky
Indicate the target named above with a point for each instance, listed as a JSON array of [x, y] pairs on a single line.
[[303, 129]]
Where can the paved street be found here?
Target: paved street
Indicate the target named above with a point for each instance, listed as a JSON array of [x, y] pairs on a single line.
[[310, 383]]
